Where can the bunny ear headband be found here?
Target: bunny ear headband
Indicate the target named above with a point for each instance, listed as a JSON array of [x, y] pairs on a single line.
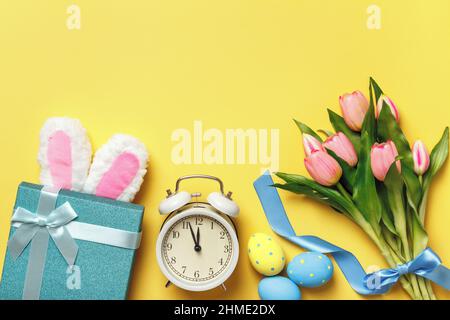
[[65, 153]]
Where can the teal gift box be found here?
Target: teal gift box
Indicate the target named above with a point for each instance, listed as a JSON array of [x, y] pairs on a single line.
[[103, 266]]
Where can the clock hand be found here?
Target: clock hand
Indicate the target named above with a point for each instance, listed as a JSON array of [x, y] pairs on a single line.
[[192, 234], [198, 248], [198, 236]]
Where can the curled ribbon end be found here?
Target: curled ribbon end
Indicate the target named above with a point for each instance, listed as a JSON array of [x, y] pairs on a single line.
[[71, 260]]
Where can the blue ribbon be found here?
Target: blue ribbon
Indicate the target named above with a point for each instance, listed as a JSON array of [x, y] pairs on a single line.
[[427, 264], [423, 265]]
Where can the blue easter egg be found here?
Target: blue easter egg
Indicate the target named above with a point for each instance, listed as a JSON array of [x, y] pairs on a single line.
[[278, 288], [310, 269]]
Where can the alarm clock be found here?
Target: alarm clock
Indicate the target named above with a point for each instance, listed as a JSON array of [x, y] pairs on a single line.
[[198, 248]]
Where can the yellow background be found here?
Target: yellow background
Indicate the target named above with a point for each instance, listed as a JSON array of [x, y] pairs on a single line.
[[150, 67]]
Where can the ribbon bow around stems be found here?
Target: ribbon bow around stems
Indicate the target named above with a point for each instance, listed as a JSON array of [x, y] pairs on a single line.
[[424, 264], [54, 223]]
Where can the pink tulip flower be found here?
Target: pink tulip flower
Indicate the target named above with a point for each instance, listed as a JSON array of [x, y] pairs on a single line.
[[382, 156], [342, 147], [354, 108], [391, 105], [311, 144], [421, 158], [323, 168]]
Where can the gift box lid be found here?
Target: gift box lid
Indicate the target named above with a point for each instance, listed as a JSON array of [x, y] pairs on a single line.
[[101, 271]]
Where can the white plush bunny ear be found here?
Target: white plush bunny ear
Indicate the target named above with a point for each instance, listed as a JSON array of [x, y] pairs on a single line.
[[64, 154], [118, 169]]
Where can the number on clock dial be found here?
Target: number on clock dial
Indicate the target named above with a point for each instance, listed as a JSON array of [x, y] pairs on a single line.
[[197, 266]]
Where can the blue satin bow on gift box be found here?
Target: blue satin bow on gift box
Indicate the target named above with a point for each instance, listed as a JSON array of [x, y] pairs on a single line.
[[426, 265], [30, 224]]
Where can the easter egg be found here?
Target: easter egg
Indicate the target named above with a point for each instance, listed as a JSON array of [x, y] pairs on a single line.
[[278, 288], [265, 254], [310, 269]]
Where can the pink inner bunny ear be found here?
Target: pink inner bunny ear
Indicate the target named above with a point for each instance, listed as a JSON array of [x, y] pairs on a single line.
[[59, 155], [122, 172]]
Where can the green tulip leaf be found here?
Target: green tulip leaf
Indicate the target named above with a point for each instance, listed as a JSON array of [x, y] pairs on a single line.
[[386, 213], [438, 156], [307, 130], [394, 186], [419, 235], [413, 196], [376, 89], [339, 125], [395, 190], [325, 132], [393, 241], [369, 124], [329, 193], [364, 189], [413, 187], [311, 193]]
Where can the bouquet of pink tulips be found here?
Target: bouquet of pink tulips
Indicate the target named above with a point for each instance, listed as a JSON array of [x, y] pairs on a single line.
[[368, 171]]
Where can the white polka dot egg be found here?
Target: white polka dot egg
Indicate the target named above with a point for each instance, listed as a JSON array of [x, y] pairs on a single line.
[[265, 254], [310, 269]]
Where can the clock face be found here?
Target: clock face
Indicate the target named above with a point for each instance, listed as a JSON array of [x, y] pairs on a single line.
[[198, 250]]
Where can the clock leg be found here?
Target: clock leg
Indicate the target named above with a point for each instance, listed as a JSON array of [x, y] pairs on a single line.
[[168, 284], [223, 287]]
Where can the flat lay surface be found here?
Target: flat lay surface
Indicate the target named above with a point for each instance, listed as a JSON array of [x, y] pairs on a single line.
[[174, 72]]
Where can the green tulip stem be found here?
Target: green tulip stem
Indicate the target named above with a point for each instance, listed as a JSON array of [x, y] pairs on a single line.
[[344, 192], [393, 260], [428, 286], [430, 290], [423, 288]]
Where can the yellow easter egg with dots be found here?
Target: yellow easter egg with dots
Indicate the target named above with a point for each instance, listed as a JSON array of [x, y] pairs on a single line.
[[265, 254]]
